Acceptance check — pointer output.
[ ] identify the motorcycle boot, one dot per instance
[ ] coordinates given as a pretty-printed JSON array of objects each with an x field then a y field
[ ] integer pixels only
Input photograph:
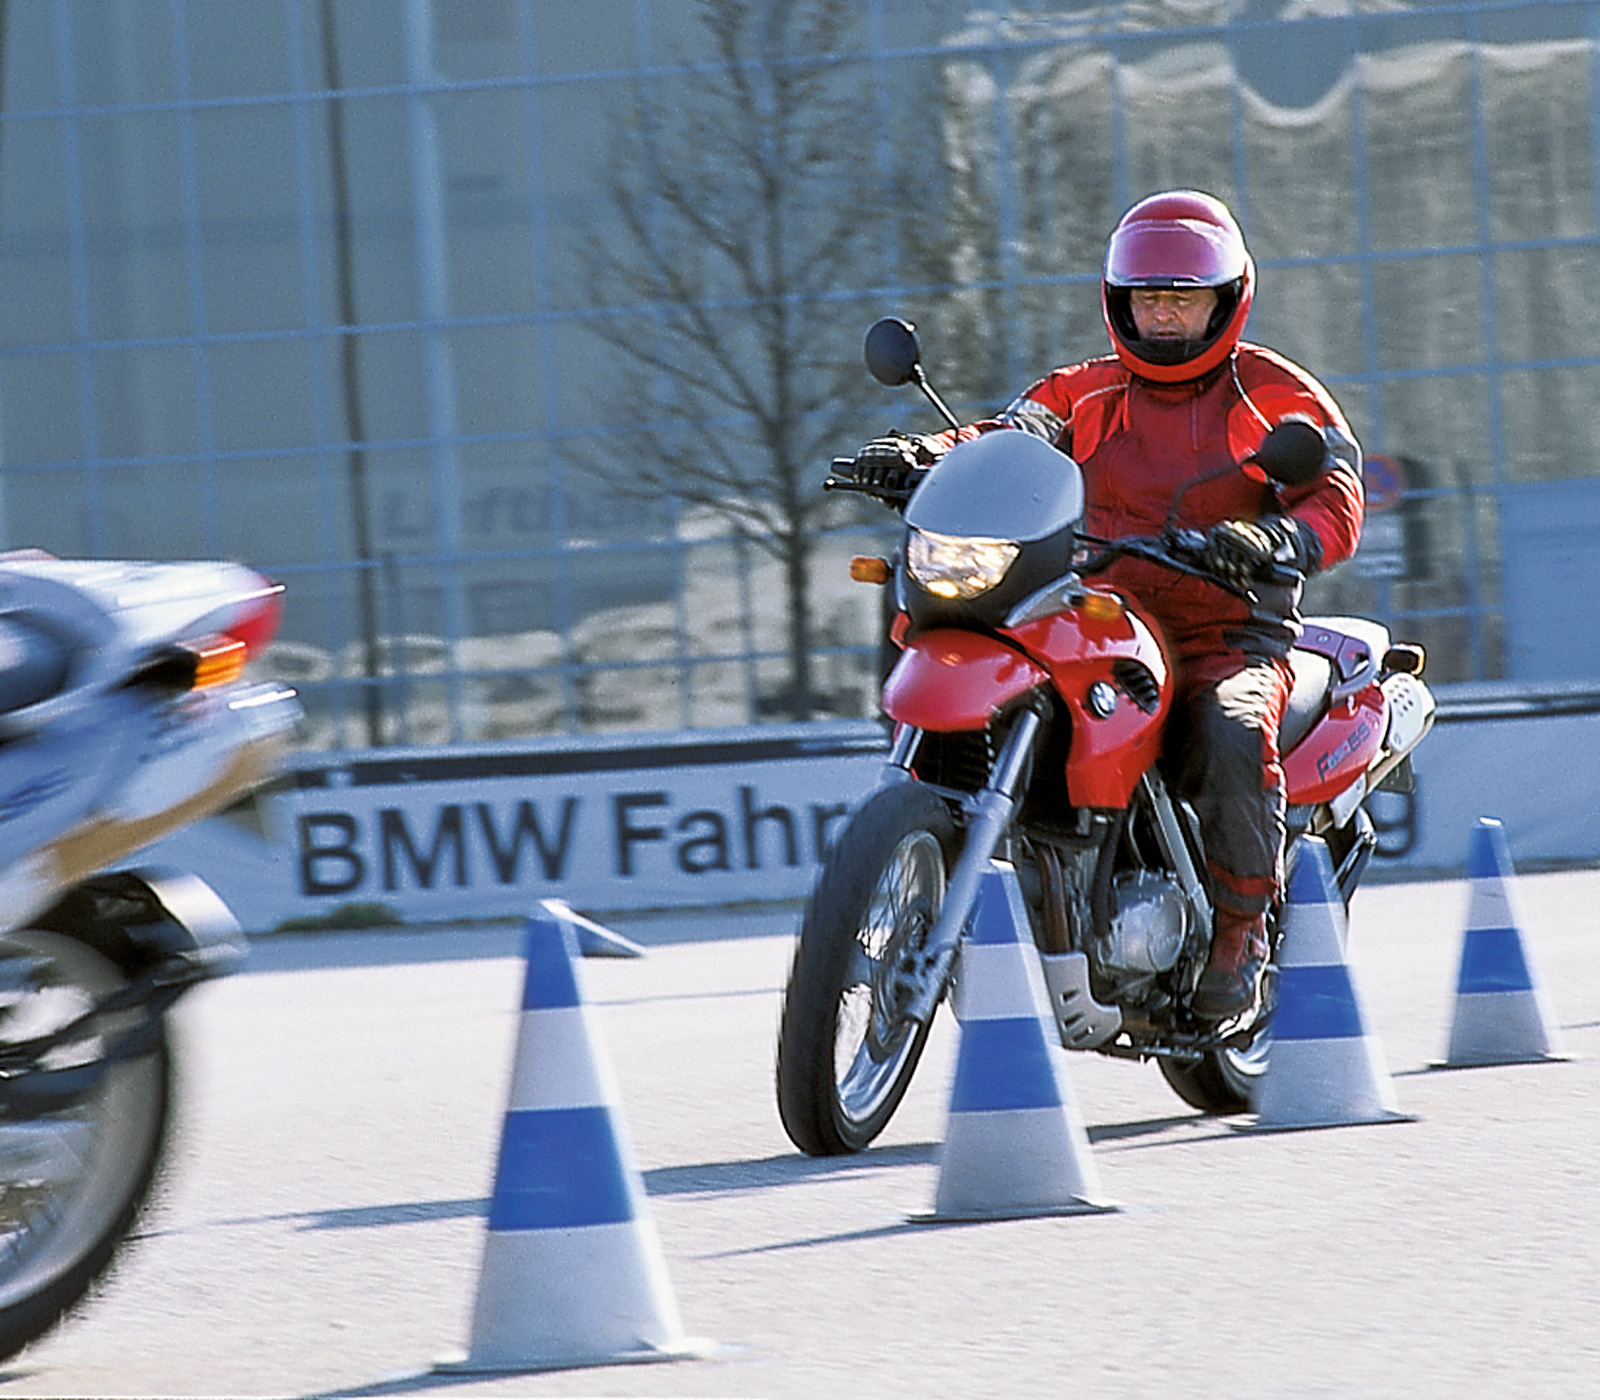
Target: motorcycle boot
[{"x": 1231, "y": 981}]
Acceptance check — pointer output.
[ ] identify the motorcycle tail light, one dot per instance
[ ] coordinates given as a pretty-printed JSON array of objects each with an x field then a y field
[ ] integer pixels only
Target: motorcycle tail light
[
  {"x": 259, "y": 617},
  {"x": 956, "y": 566}
]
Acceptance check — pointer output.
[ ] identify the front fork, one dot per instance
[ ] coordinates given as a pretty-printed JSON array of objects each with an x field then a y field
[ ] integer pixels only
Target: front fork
[
  {"x": 1175, "y": 847},
  {"x": 990, "y": 813}
]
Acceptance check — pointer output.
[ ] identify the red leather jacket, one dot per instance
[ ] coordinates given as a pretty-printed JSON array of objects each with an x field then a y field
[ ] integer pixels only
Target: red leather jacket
[{"x": 1153, "y": 453}]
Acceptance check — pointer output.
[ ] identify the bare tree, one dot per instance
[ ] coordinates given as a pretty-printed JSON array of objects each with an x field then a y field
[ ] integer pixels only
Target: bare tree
[{"x": 747, "y": 203}]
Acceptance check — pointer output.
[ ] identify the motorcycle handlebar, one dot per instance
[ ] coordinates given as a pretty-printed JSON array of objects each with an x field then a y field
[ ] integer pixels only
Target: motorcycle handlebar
[{"x": 1180, "y": 551}]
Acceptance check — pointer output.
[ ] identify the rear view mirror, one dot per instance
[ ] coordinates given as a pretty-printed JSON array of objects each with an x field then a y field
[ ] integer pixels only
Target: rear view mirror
[
  {"x": 1292, "y": 453},
  {"x": 892, "y": 352}
]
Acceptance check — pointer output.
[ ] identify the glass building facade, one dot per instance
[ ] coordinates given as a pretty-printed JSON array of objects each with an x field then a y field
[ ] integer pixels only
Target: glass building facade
[{"x": 300, "y": 282}]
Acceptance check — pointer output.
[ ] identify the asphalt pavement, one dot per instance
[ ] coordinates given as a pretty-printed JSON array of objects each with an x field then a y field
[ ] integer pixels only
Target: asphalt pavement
[{"x": 322, "y": 1224}]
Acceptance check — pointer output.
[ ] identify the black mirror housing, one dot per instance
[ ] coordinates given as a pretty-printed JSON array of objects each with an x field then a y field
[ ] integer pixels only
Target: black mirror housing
[
  {"x": 892, "y": 352},
  {"x": 1292, "y": 453}
]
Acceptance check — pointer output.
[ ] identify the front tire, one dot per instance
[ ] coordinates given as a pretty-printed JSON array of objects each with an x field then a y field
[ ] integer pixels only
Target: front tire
[
  {"x": 73, "y": 1177},
  {"x": 846, "y": 1049}
]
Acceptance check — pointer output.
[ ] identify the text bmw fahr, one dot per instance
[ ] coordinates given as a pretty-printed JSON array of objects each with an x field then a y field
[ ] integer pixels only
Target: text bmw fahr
[{"x": 1031, "y": 708}]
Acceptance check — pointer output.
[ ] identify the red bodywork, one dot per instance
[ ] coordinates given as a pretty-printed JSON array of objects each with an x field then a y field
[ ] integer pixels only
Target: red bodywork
[
  {"x": 950, "y": 680},
  {"x": 1339, "y": 748}
]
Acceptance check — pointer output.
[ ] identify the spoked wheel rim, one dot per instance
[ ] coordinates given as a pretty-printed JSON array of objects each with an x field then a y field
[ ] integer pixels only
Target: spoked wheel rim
[
  {"x": 69, "y": 1176},
  {"x": 873, "y": 1037},
  {"x": 1243, "y": 1068}
]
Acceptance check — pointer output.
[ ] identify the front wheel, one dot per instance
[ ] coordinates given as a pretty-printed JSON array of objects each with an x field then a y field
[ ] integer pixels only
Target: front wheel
[
  {"x": 846, "y": 1048},
  {"x": 73, "y": 1173}
]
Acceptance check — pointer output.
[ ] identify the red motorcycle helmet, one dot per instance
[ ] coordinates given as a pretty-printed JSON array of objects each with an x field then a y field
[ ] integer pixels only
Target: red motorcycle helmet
[{"x": 1180, "y": 238}]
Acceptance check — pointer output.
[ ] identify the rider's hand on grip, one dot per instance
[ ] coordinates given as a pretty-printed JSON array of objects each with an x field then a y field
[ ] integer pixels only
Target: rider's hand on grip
[
  {"x": 892, "y": 464},
  {"x": 1242, "y": 551}
]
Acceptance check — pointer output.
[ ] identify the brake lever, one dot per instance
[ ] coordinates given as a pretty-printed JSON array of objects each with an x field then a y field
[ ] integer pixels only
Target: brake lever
[{"x": 834, "y": 481}]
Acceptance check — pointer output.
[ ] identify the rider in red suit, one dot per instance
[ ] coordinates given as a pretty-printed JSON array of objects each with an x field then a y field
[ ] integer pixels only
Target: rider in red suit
[{"x": 1161, "y": 429}]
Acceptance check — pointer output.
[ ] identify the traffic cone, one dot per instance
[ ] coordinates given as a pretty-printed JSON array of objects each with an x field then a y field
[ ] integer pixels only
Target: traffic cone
[
  {"x": 573, "y": 1273},
  {"x": 594, "y": 940},
  {"x": 1014, "y": 1143},
  {"x": 1501, "y": 1014},
  {"x": 1324, "y": 1070}
]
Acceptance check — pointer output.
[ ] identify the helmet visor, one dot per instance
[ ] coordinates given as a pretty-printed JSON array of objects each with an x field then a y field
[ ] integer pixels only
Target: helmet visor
[{"x": 1174, "y": 253}]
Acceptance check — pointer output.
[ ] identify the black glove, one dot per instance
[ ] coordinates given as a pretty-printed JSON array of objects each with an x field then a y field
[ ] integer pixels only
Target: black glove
[
  {"x": 894, "y": 463},
  {"x": 1241, "y": 551}
]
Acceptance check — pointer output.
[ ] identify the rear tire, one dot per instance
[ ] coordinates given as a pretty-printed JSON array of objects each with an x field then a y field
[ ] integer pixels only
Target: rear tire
[
  {"x": 72, "y": 1178},
  {"x": 846, "y": 1050},
  {"x": 1222, "y": 1081}
]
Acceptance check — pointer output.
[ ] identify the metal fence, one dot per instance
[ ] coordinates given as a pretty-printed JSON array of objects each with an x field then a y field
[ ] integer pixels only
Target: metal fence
[{"x": 295, "y": 282}]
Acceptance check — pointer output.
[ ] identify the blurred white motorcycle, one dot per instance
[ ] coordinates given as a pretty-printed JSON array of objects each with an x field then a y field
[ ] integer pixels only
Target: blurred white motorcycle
[{"x": 124, "y": 715}]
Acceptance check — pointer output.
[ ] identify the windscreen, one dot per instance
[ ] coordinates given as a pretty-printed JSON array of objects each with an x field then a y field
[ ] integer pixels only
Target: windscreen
[{"x": 1005, "y": 485}]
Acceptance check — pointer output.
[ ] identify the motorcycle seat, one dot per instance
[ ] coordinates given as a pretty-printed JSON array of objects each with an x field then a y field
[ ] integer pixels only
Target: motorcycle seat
[
  {"x": 1308, "y": 697},
  {"x": 34, "y": 664},
  {"x": 1336, "y": 656}
]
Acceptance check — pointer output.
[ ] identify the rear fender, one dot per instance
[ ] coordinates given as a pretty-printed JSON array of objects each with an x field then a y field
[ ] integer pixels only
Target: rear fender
[
  {"x": 164, "y": 932},
  {"x": 948, "y": 679},
  {"x": 142, "y": 919}
]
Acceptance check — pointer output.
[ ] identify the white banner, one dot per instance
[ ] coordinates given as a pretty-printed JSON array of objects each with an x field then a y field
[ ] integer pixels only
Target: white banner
[
  {"x": 723, "y": 818},
  {"x": 703, "y": 818},
  {"x": 1531, "y": 763}
]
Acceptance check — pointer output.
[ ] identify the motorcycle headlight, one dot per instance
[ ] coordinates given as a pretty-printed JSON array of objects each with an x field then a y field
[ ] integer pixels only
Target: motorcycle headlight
[{"x": 956, "y": 566}]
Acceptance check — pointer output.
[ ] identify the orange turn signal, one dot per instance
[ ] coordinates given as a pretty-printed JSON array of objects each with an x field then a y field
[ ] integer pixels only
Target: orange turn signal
[
  {"x": 218, "y": 661},
  {"x": 1101, "y": 607},
  {"x": 868, "y": 568}
]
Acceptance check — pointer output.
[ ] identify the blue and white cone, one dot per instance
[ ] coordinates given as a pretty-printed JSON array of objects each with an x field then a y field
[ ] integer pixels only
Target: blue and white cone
[
  {"x": 1324, "y": 1069},
  {"x": 1014, "y": 1142},
  {"x": 1501, "y": 1014},
  {"x": 594, "y": 940},
  {"x": 573, "y": 1273}
]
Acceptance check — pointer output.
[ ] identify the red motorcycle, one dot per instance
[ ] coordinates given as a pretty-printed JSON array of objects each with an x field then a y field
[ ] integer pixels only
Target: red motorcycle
[{"x": 1029, "y": 709}]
